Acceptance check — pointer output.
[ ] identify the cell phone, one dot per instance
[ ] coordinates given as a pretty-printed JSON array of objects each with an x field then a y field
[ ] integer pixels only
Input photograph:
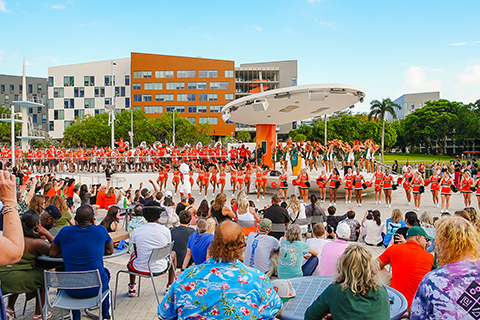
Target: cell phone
[{"x": 130, "y": 185}]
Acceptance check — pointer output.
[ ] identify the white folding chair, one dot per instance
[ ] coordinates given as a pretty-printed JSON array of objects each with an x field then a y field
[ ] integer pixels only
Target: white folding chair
[
  {"x": 75, "y": 280},
  {"x": 157, "y": 254}
]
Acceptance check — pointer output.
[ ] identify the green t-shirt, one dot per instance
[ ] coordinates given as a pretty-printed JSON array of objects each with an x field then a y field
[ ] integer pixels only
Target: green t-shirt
[
  {"x": 64, "y": 220},
  {"x": 291, "y": 259},
  {"x": 343, "y": 304}
]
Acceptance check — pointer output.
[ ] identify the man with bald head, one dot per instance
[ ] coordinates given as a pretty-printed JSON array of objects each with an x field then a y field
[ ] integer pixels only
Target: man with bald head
[
  {"x": 222, "y": 287},
  {"x": 82, "y": 248}
]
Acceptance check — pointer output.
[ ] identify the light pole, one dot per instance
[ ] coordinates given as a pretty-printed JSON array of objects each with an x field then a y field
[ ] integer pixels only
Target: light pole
[
  {"x": 326, "y": 130},
  {"x": 113, "y": 109},
  {"x": 13, "y": 133},
  {"x": 131, "y": 126},
  {"x": 173, "y": 119}
]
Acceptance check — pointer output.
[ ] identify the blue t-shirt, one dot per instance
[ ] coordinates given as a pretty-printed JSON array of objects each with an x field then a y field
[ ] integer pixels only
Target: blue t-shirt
[
  {"x": 198, "y": 244},
  {"x": 291, "y": 259},
  {"x": 392, "y": 227},
  {"x": 83, "y": 249}
]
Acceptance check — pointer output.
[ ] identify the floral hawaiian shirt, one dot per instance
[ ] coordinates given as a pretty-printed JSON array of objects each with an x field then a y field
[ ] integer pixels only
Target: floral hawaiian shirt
[
  {"x": 220, "y": 290},
  {"x": 132, "y": 225}
]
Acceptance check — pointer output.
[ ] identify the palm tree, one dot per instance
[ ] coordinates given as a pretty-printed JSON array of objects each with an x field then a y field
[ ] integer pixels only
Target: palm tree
[{"x": 379, "y": 110}]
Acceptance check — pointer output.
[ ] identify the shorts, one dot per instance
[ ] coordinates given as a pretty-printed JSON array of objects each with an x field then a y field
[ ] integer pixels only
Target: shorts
[{"x": 131, "y": 268}]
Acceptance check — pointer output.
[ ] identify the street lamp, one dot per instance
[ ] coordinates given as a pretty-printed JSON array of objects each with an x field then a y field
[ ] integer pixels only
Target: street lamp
[
  {"x": 131, "y": 126},
  {"x": 173, "y": 119},
  {"x": 326, "y": 130},
  {"x": 112, "y": 110}
]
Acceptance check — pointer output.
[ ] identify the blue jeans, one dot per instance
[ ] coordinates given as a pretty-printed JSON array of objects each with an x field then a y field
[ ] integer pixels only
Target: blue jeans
[{"x": 309, "y": 267}]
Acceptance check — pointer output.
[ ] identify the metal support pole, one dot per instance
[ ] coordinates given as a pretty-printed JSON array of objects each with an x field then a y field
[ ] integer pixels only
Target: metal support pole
[
  {"x": 113, "y": 111},
  {"x": 13, "y": 134},
  {"x": 131, "y": 126},
  {"x": 326, "y": 130},
  {"x": 173, "y": 119}
]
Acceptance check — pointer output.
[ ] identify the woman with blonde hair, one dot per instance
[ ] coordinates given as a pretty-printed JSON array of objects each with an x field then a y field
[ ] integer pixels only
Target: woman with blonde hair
[
  {"x": 354, "y": 294},
  {"x": 450, "y": 291},
  {"x": 244, "y": 211},
  {"x": 219, "y": 211},
  {"x": 392, "y": 224},
  {"x": 37, "y": 203},
  {"x": 474, "y": 217},
  {"x": 66, "y": 218}
]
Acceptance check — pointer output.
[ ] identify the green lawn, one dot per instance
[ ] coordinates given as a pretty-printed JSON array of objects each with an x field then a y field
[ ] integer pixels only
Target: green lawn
[{"x": 413, "y": 158}]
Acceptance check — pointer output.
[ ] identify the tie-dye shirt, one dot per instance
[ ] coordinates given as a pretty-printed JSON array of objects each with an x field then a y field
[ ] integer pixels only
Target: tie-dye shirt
[
  {"x": 450, "y": 292},
  {"x": 220, "y": 290}
]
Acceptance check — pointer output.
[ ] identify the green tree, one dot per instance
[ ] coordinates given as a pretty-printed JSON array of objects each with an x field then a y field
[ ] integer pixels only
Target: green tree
[
  {"x": 244, "y": 136},
  {"x": 378, "y": 110},
  {"x": 5, "y": 127},
  {"x": 299, "y": 137}
]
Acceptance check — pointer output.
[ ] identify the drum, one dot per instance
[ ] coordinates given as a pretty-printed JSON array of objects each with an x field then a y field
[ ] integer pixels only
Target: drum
[
  {"x": 114, "y": 161},
  {"x": 104, "y": 161},
  {"x": 93, "y": 160},
  {"x": 148, "y": 159},
  {"x": 137, "y": 160}
]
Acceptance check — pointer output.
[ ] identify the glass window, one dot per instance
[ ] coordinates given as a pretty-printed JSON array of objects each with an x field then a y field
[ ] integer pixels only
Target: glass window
[
  {"x": 50, "y": 81},
  {"x": 201, "y": 85},
  {"x": 181, "y": 97},
  {"x": 39, "y": 109},
  {"x": 170, "y": 108},
  {"x": 79, "y": 113},
  {"x": 127, "y": 79},
  {"x": 180, "y": 109},
  {"x": 58, "y": 114},
  {"x": 89, "y": 103},
  {"x": 207, "y": 73},
  {"x": 218, "y": 85},
  {"x": 2, "y": 88},
  {"x": 30, "y": 110},
  {"x": 185, "y": 74},
  {"x": 30, "y": 88},
  {"x": 68, "y": 81},
  {"x": 108, "y": 101},
  {"x": 164, "y": 74},
  {"x": 142, "y": 74},
  {"x": 159, "y": 97},
  {"x": 69, "y": 103},
  {"x": 228, "y": 73},
  {"x": 212, "y": 97},
  {"x": 51, "y": 126},
  {"x": 192, "y": 120},
  {"x": 67, "y": 124},
  {"x": 12, "y": 88},
  {"x": 294, "y": 81},
  {"x": 108, "y": 80},
  {"x": 228, "y": 96},
  {"x": 175, "y": 85},
  {"x": 127, "y": 102},
  {"x": 44, "y": 118},
  {"x": 99, "y": 92},
  {"x": 50, "y": 104},
  {"x": 202, "y": 109},
  {"x": 169, "y": 97},
  {"x": 79, "y": 92},
  {"x": 136, "y": 86},
  {"x": 153, "y": 86},
  {"x": 39, "y": 88},
  {"x": 202, "y": 97},
  {"x": 7, "y": 98},
  {"x": 192, "y": 85},
  {"x": 413, "y": 105},
  {"x": 191, "y": 97},
  {"x": 122, "y": 91},
  {"x": 215, "y": 108},
  {"x": 147, "y": 97},
  {"x": 137, "y": 108},
  {"x": 89, "y": 81},
  {"x": 34, "y": 118},
  {"x": 192, "y": 109},
  {"x": 20, "y": 89}
]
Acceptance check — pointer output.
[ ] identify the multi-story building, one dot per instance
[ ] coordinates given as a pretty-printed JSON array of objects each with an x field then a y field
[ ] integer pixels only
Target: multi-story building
[
  {"x": 257, "y": 77},
  {"x": 85, "y": 88},
  {"x": 196, "y": 88},
  {"x": 11, "y": 90},
  {"x": 412, "y": 101}
]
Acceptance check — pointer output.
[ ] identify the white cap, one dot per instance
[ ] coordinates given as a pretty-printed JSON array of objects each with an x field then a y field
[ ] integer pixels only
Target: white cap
[
  {"x": 283, "y": 288},
  {"x": 343, "y": 231},
  {"x": 168, "y": 194}
]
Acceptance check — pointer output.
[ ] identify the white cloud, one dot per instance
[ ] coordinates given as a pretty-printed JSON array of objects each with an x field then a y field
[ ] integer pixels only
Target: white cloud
[
  {"x": 207, "y": 36},
  {"x": 94, "y": 23},
  {"x": 416, "y": 80},
  {"x": 458, "y": 44},
  {"x": 312, "y": 1},
  {"x": 327, "y": 24},
  {"x": 3, "y": 6},
  {"x": 471, "y": 77},
  {"x": 257, "y": 27},
  {"x": 288, "y": 30},
  {"x": 27, "y": 63},
  {"x": 57, "y": 7}
]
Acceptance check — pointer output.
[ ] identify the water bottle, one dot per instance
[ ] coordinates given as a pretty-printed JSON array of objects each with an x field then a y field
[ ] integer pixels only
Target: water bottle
[{"x": 125, "y": 203}]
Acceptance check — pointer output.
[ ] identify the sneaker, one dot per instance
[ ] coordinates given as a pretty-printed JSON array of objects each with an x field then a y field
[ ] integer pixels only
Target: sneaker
[
  {"x": 359, "y": 204},
  {"x": 409, "y": 203},
  {"x": 379, "y": 202},
  {"x": 258, "y": 200},
  {"x": 39, "y": 316},
  {"x": 132, "y": 290},
  {"x": 263, "y": 197},
  {"x": 346, "y": 202},
  {"x": 386, "y": 206},
  {"x": 330, "y": 204},
  {"x": 334, "y": 204}
]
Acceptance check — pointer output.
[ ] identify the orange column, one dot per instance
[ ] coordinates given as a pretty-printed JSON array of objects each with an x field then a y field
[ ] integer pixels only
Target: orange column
[{"x": 267, "y": 136}]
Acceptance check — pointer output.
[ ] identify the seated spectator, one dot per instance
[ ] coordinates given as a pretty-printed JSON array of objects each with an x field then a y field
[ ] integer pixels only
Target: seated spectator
[
  {"x": 318, "y": 243},
  {"x": 313, "y": 209},
  {"x": 193, "y": 211},
  {"x": 101, "y": 198},
  {"x": 411, "y": 220},
  {"x": 198, "y": 243},
  {"x": 168, "y": 216},
  {"x": 146, "y": 196},
  {"x": 182, "y": 205},
  {"x": 332, "y": 219},
  {"x": 49, "y": 217},
  {"x": 111, "y": 222},
  {"x": 23, "y": 276},
  {"x": 262, "y": 249},
  {"x": 410, "y": 262},
  {"x": 333, "y": 250},
  {"x": 292, "y": 251},
  {"x": 89, "y": 256},
  {"x": 180, "y": 237},
  {"x": 277, "y": 214},
  {"x": 392, "y": 224},
  {"x": 212, "y": 224},
  {"x": 426, "y": 220},
  {"x": 110, "y": 198},
  {"x": 245, "y": 212},
  {"x": 66, "y": 218},
  {"x": 354, "y": 294},
  {"x": 85, "y": 196},
  {"x": 374, "y": 228},
  {"x": 221, "y": 285},
  {"x": 296, "y": 210},
  {"x": 145, "y": 239},
  {"x": 203, "y": 209},
  {"x": 450, "y": 291},
  {"x": 136, "y": 221},
  {"x": 353, "y": 224},
  {"x": 219, "y": 211},
  {"x": 37, "y": 203}
]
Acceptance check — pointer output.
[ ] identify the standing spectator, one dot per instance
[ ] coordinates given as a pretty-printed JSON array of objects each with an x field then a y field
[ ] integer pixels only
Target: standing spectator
[
  {"x": 333, "y": 250},
  {"x": 373, "y": 223},
  {"x": 89, "y": 256},
  {"x": 261, "y": 249},
  {"x": 219, "y": 283},
  {"x": 85, "y": 196},
  {"x": 277, "y": 214},
  {"x": 146, "y": 238},
  {"x": 110, "y": 198},
  {"x": 317, "y": 243},
  {"x": 198, "y": 244},
  {"x": 332, "y": 219},
  {"x": 100, "y": 204},
  {"x": 450, "y": 291},
  {"x": 410, "y": 262},
  {"x": 354, "y": 294},
  {"x": 392, "y": 224},
  {"x": 180, "y": 236},
  {"x": 292, "y": 251},
  {"x": 395, "y": 167},
  {"x": 353, "y": 224}
]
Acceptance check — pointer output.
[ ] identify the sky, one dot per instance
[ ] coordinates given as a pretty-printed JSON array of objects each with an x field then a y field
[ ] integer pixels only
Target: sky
[{"x": 386, "y": 47}]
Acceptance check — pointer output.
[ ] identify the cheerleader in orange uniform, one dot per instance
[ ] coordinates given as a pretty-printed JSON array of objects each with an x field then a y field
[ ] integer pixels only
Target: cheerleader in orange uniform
[
  {"x": 258, "y": 182},
  {"x": 446, "y": 191},
  {"x": 348, "y": 186},
  {"x": 358, "y": 182},
  {"x": 304, "y": 180},
  {"x": 466, "y": 183},
  {"x": 233, "y": 178},
  {"x": 200, "y": 179},
  {"x": 435, "y": 187},
  {"x": 417, "y": 182},
  {"x": 176, "y": 177},
  {"x": 161, "y": 177},
  {"x": 377, "y": 178},
  {"x": 213, "y": 178},
  {"x": 283, "y": 183},
  {"x": 264, "y": 181},
  {"x": 333, "y": 185},
  {"x": 240, "y": 180},
  {"x": 407, "y": 178},
  {"x": 322, "y": 185},
  {"x": 421, "y": 169},
  {"x": 205, "y": 180},
  {"x": 222, "y": 181},
  {"x": 248, "y": 177},
  {"x": 387, "y": 188}
]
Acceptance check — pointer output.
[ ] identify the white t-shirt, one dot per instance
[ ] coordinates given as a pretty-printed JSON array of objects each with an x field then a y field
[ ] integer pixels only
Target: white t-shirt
[
  {"x": 146, "y": 238},
  {"x": 374, "y": 232},
  {"x": 317, "y": 244},
  {"x": 247, "y": 216},
  {"x": 258, "y": 250}
]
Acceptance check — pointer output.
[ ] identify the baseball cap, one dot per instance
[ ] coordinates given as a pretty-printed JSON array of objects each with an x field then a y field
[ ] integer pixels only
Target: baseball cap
[
  {"x": 266, "y": 224},
  {"x": 144, "y": 192},
  {"x": 284, "y": 289},
  {"x": 343, "y": 231},
  {"x": 418, "y": 231},
  {"x": 168, "y": 194},
  {"x": 53, "y": 212}
]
